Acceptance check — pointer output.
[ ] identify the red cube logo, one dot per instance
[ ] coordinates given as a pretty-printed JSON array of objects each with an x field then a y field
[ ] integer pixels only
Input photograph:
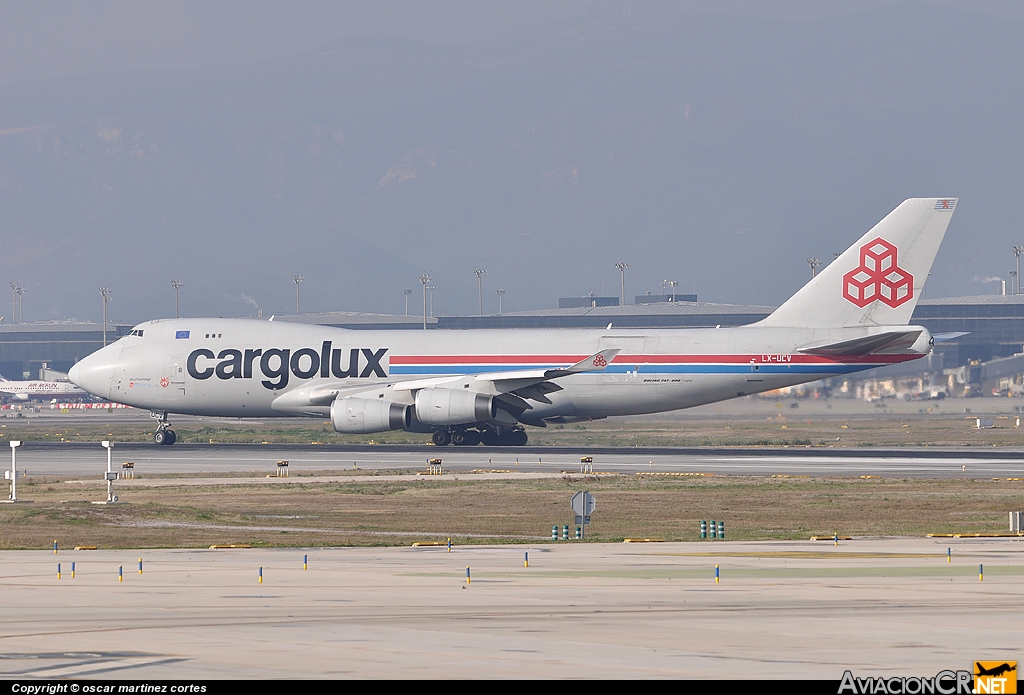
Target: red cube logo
[{"x": 878, "y": 277}]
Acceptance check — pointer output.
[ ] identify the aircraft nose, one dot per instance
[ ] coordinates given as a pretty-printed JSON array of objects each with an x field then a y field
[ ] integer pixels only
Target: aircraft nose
[{"x": 96, "y": 372}]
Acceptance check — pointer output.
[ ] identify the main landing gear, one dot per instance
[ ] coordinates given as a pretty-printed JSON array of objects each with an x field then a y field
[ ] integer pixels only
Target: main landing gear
[
  {"x": 164, "y": 435},
  {"x": 488, "y": 436}
]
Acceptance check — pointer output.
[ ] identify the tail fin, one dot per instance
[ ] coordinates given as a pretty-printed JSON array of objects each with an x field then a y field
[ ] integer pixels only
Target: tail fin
[{"x": 878, "y": 280}]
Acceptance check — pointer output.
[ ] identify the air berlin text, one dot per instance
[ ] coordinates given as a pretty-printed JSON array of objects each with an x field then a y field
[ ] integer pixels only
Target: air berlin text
[{"x": 276, "y": 364}]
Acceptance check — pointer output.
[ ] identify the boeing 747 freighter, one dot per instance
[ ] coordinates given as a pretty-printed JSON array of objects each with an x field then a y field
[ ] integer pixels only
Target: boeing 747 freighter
[{"x": 483, "y": 386}]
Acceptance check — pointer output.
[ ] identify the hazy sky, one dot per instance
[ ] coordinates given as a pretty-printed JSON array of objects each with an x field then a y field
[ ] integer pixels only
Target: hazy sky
[
  {"x": 58, "y": 37},
  {"x": 718, "y": 144}
]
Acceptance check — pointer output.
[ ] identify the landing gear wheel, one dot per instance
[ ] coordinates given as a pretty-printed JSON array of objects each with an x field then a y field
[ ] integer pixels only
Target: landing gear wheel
[
  {"x": 489, "y": 437},
  {"x": 459, "y": 438},
  {"x": 441, "y": 438},
  {"x": 160, "y": 437},
  {"x": 519, "y": 438},
  {"x": 171, "y": 437},
  {"x": 472, "y": 437}
]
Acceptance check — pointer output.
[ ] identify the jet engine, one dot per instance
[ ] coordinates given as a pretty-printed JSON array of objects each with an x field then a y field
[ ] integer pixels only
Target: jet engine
[
  {"x": 453, "y": 407},
  {"x": 366, "y": 415}
]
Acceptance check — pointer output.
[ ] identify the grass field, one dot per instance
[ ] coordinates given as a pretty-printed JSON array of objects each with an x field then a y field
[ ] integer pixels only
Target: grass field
[
  {"x": 390, "y": 510},
  {"x": 780, "y": 427}
]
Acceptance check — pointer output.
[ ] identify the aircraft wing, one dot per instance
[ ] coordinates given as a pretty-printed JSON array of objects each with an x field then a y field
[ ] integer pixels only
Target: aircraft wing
[
  {"x": 533, "y": 381},
  {"x": 513, "y": 387},
  {"x": 867, "y": 345}
]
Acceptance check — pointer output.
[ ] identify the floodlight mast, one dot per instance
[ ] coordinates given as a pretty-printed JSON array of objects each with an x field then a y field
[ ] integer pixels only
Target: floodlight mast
[
  {"x": 176, "y": 284},
  {"x": 1017, "y": 251},
  {"x": 424, "y": 279},
  {"x": 407, "y": 292},
  {"x": 106, "y": 295},
  {"x": 501, "y": 293},
  {"x": 21, "y": 303},
  {"x": 622, "y": 265},
  {"x": 297, "y": 279},
  {"x": 815, "y": 263},
  {"x": 480, "y": 289}
]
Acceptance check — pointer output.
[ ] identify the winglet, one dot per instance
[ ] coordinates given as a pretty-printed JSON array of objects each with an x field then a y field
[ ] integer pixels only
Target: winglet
[{"x": 597, "y": 362}]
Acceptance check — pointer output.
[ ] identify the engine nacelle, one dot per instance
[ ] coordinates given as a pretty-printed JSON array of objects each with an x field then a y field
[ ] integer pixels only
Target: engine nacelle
[
  {"x": 366, "y": 415},
  {"x": 453, "y": 407}
]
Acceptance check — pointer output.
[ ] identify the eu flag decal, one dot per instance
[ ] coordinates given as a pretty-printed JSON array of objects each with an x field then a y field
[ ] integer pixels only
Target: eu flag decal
[{"x": 181, "y": 335}]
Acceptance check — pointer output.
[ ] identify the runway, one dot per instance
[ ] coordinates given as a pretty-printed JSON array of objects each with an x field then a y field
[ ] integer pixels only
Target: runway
[
  {"x": 782, "y": 610},
  {"x": 86, "y": 460}
]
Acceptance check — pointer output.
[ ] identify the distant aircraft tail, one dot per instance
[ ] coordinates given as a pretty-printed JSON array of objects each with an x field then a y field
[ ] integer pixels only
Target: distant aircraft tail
[{"x": 878, "y": 280}]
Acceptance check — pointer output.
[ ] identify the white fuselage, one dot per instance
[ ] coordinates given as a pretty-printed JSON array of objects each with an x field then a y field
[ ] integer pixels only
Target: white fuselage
[{"x": 243, "y": 367}]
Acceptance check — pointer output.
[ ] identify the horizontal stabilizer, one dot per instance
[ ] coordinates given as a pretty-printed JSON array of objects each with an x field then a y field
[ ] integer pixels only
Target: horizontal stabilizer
[
  {"x": 946, "y": 337},
  {"x": 867, "y": 345}
]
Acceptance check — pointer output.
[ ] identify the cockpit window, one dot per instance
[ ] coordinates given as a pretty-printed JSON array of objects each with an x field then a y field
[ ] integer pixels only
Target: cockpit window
[{"x": 136, "y": 332}]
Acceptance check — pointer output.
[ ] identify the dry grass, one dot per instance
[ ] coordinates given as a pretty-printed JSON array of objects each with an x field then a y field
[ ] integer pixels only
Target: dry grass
[
  {"x": 379, "y": 512},
  {"x": 786, "y": 427}
]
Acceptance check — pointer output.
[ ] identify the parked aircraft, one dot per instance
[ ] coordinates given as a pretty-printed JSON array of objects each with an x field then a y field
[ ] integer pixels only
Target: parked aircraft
[
  {"x": 473, "y": 386},
  {"x": 36, "y": 390}
]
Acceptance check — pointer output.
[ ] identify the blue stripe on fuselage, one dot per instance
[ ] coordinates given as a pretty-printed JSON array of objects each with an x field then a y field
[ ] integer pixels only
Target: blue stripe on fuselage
[{"x": 836, "y": 368}]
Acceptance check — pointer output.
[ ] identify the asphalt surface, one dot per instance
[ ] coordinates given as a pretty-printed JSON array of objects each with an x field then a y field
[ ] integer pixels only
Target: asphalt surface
[
  {"x": 799, "y": 609},
  {"x": 88, "y": 459}
]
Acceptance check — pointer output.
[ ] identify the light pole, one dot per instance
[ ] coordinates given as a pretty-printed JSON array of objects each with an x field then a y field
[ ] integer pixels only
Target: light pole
[
  {"x": 480, "y": 289},
  {"x": 1014, "y": 282},
  {"x": 622, "y": 265},
  {"x": 430, "y": 290},
  {"x": 815, "y": 263},
  {"x": 673, "y": 284},
  {"x": 176, "y": 284},
  {"x": 14, "y": 471},
  {"x": 105, "y": 293},
  {"x": 424, "y": 279},
  {"x": 1017, "y": 251},
  {"x": 500, "y": 293},
  {"x": 21, "y": 303},
  {"x": 406, "y": 292},
  {"x": 14, "y": 302},
  {"x": 297, "y": 279}
]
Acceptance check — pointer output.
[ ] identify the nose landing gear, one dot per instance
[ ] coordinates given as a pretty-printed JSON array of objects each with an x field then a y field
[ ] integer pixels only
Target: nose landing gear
[{"x": 164, "y": 435}]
